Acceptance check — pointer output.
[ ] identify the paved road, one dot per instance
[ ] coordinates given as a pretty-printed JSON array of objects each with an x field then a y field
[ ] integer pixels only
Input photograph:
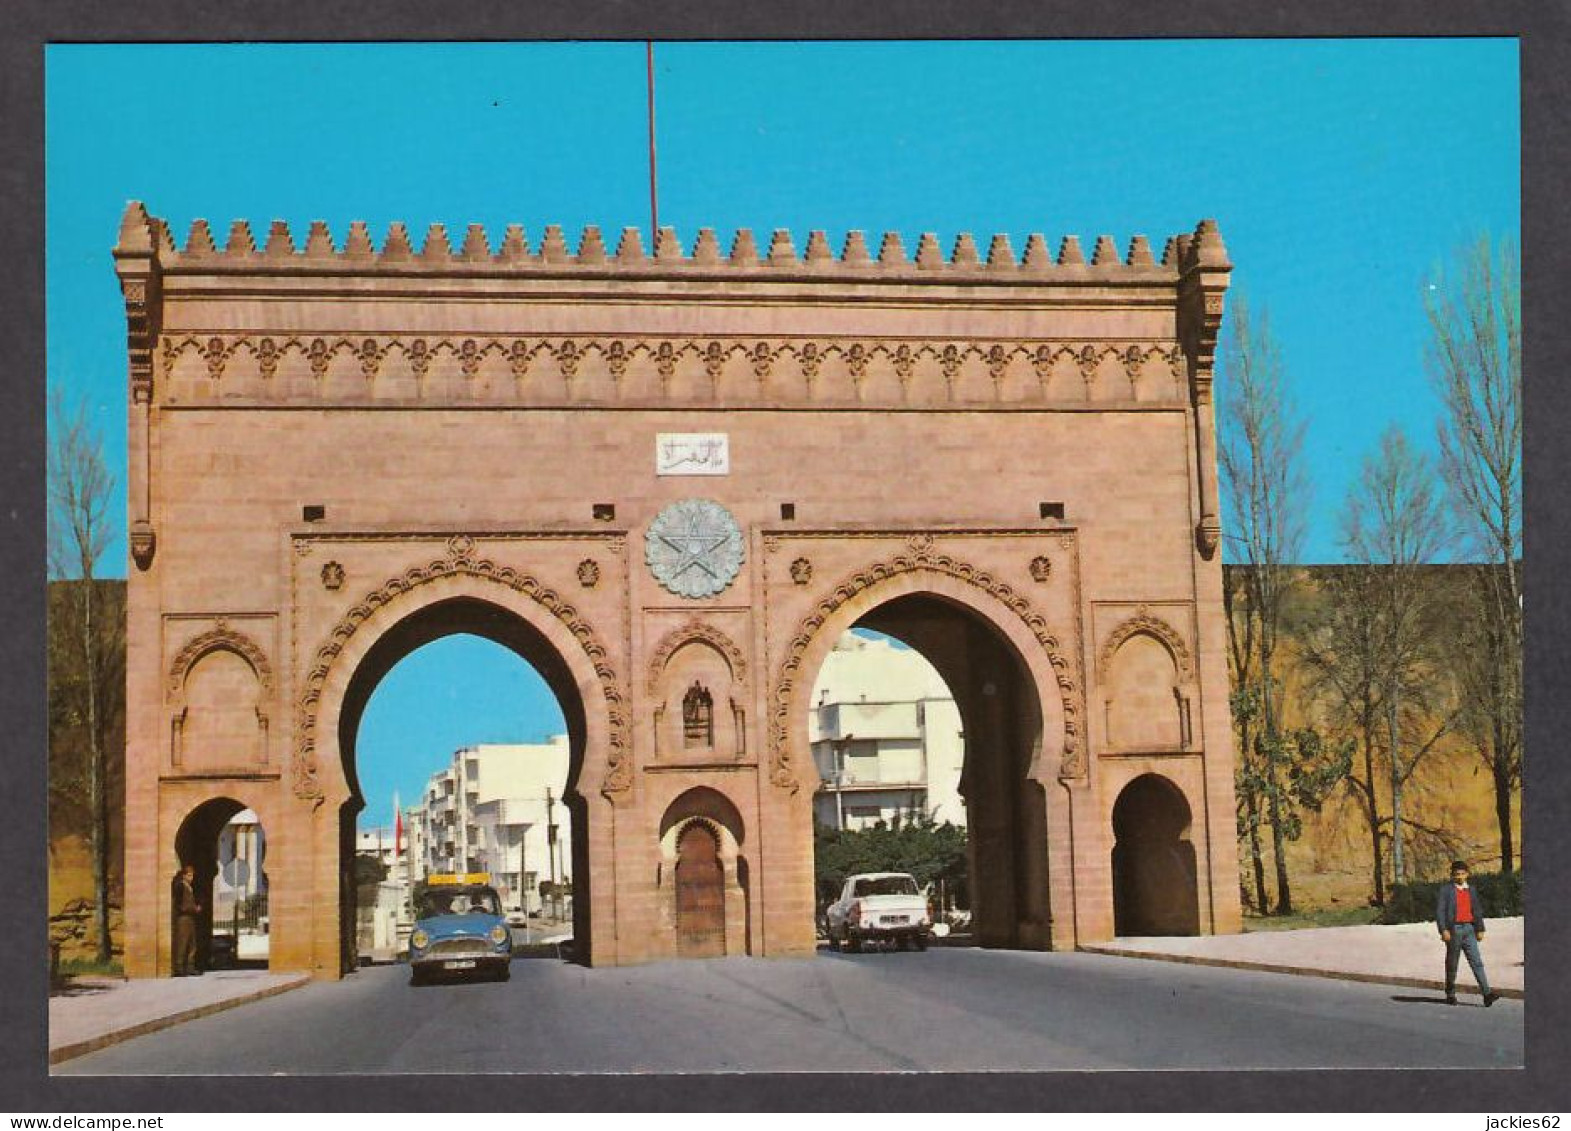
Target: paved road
[{"x": 947, "y": 1009}]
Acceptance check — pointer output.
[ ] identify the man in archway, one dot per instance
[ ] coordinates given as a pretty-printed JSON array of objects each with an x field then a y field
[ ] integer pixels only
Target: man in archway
[{"x": 186, "y": 909}]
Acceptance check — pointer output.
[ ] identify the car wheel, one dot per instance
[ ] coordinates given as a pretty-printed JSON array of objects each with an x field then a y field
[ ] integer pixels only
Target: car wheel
[
  {"x": 417, "y": 976},
  {"x": 920, "y": 941},
  {"x": 504, "y": 972},
  {"x": 853, "y": 942},
  {"x": 834, "y": 943}
]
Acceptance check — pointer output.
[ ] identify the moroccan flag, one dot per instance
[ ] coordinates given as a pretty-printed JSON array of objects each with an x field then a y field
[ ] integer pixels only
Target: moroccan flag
[{"x": 398, "y": 828}]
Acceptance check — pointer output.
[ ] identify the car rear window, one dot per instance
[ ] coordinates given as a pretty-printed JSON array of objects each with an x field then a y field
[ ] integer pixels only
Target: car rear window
[{"x": 887, "y": 885}]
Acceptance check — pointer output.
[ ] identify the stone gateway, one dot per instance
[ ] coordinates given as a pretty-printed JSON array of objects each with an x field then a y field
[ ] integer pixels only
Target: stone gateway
[{"x": 669, "y": 481}]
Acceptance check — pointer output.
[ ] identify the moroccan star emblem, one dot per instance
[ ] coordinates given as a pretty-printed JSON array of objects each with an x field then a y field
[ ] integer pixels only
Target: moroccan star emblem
[
  {"x": 694, "y": 548},
  {"x": 694, "y": 545}
]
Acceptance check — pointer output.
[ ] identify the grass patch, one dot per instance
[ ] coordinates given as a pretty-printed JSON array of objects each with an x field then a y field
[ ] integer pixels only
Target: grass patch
[
  {"x": 1327, "y": 917},
  {"x": 72, "y": 967}
]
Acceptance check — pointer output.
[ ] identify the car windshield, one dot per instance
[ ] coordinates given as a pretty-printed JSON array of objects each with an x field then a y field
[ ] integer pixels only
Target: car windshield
[
  {"x": 458, "y": 901},
  {"x": 887, "y": 885}
]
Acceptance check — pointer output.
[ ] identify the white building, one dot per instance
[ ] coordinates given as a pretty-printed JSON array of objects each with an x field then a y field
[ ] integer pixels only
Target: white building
[
  {"x": 885, "y": 735},
  {"x": 240, "y": 888},
  {"x": 493, "y": 810},
  {"x": 377, "y": 843}
]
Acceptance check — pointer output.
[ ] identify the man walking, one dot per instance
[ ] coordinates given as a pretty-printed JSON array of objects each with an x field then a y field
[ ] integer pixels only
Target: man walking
[
  {"x": 186, "y": 908},
  {"x": 1459, "y": 913}
]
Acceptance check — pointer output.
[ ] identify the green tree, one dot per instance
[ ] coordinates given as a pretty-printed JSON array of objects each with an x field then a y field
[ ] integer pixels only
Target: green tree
[{"x": 930, "y": 850}]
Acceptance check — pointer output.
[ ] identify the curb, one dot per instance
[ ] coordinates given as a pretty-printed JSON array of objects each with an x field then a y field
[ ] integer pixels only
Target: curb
[
  {"x": 1279, "y": 968},
  {"x": 142, "y": 1028}
]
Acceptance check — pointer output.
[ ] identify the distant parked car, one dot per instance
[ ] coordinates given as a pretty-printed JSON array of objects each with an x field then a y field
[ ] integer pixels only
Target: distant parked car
[
  {"x": 459, "y": 927},
  {"x": 879, "y": 906}
]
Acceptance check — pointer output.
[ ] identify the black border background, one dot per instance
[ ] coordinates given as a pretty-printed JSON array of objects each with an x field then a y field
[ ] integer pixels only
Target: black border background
[{"x": 1543, "y": 29}]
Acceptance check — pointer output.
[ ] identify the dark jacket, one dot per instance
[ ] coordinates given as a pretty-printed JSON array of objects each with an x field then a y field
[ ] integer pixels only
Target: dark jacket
[
  {"x": 183, "y": 896},
  {"x": 1445, "y": 907}
]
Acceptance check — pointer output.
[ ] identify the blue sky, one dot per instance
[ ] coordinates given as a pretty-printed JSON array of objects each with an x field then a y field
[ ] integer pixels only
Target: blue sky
[{"x": 1339, "y": 170}]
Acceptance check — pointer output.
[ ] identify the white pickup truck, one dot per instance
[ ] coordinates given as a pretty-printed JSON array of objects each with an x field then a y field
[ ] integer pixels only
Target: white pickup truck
[{"x": 879, "y": 906}]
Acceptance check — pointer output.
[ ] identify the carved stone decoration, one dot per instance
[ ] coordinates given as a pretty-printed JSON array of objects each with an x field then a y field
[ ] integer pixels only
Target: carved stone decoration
[
  {"x": 219, "y": 636},
  {"x": 588, "y": 573},
  {"x": 1041, "y": 568},
  {"x": 810, "y": 357},
  {"x": 698, "y": 717},
  {"x": 801, "y": 571},
  {"x": 714, "y": 360},
  {"x": 333, "y": 576},
  {"x": 1208, "y": 536},
  {"x": 616, "y": 360},
  {"x": 267, "y": 358},
  {"x": 461, "y": 547},
  {"x": 143, "y": 543},
  {"x": 568, "y": 358},
  {"x": 694, "y": 548},
  {"x": 518, "y": 357},
  {"x": 142, "y": 316},
  {"x": 922, "y": 558},
  {"x": 1088, "y": 361},
  {"x": 1145, "y": 621},
  {"x": 303, "y": 767},
  {"x": 215, "y": 357},
  {"x": 997, "y": 363},
  {"x": 695, "y": 630}
]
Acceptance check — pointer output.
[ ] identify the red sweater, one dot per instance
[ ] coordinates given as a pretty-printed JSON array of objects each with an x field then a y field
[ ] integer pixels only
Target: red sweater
[{"x": 1464, "y": 905}]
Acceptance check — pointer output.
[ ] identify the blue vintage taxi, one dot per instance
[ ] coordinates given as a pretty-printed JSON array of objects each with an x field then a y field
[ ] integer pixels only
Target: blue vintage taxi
[{"x": 459, "y": 929}]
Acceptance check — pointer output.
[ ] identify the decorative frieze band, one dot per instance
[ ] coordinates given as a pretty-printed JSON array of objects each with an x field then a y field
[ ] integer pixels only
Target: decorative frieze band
[{"x": 921, "y": 370}]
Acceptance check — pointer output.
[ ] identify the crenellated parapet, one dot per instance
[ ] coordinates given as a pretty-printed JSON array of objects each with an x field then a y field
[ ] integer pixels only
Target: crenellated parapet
[{"x": 480, "y": 252}]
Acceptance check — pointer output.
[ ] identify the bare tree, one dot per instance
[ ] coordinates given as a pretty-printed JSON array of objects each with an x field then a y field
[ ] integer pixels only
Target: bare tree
[
  {"x": 1266, "y": 492},
  {"x": 1394, "y": 521},
  {"x": 1372, "y": 638},
  {"x": 1342, "y": 650},
  {"x": 1475, "y": 362},
  {"x": 79, "y": 493}
]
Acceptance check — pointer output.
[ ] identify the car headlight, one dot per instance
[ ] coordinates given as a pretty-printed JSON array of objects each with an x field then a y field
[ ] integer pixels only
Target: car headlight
[
  {"x": 419, "y": 940},
  {"x": 499, "y": 934}
]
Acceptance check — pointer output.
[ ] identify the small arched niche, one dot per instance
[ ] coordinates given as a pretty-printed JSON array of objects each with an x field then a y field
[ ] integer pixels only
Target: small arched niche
[
  {"x": 1146, "y": 678},
  {"x": 220, "y": 719},
  {"x": 696, "y": 682}
]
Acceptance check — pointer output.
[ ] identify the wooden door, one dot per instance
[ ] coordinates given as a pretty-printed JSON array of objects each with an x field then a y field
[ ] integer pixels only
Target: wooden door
[{"x": 700, "y": 894}]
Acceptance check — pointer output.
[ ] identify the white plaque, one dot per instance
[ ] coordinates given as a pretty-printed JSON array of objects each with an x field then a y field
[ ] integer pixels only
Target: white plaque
[{"x": 692, "y": 453}]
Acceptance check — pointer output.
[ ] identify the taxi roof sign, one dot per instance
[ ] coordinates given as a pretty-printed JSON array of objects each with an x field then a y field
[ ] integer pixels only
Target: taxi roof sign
[{"x": 436, "y": 879}]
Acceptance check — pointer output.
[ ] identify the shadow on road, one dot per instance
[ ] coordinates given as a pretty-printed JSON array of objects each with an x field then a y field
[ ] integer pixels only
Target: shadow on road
[{"x": 1410, "y": 1000}]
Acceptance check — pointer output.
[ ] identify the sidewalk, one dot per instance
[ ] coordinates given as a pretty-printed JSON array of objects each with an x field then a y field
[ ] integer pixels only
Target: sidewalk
[
  {"x": 1407, "y": 954},
  {"x": 95, "y": 1012}
]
